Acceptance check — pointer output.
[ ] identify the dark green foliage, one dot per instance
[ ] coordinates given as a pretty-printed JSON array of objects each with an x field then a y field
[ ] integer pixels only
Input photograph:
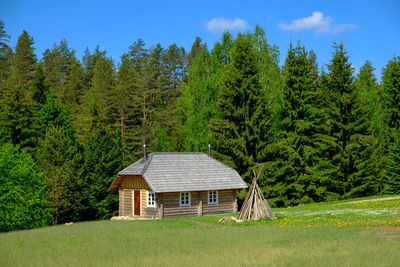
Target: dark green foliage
[
  {"x": 23, "y": 63},
  {"x": 196, "y": 50},
  {"x": 357, "y": 172},
  {"x": 22, "y": 192},
  {"x": 5, "y": 56},
  {"x": 391, "y": 87},
  {"x": 18, "y": 123},
  {"x": 53, "y": 114},
  {"x": 40, "y": 88},
  {"x": 240, "y": 128},
  {"x": 102, "y": 160},
  {"x": 96, "y": 108},
  {"x": 59, "y": 157},
  {"x": 392, "y": 185},
  {"x": 58, "y": 63},
  {"x": 321, "y": 136},
  {"x": 296, "y": 174}
]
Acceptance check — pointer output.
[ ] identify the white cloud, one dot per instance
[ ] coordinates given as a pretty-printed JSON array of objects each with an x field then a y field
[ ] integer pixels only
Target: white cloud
[
  {"x": 317, "y": 22},
  {"x": 222, "y": 24},
  {"x": 343, "y": 27}
]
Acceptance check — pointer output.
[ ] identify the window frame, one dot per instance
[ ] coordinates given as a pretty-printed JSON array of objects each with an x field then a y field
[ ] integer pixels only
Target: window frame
[
  {"x": 148, "y": 199},
  {"x": 187, "y": 198},
  {"x": 216, "y": 202}
]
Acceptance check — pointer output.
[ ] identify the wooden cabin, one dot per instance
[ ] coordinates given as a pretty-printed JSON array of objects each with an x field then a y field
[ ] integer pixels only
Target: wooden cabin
[{"x": 173, "y": 184}]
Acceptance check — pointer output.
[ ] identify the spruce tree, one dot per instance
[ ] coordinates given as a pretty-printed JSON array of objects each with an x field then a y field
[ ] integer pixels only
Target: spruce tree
[
  {"x": 102, "y": 160},
  {"x": 40, "y": 88},
  {"x": 392, "y": 172},
  {"x": 296, "y": 154},
  {"x": 391, "y": 88},
  {"x": 196, "y": 50},
  {"x": 391, "y": 111},
  {"x": 240, "y": 128},
  {"x": 351, "y": 129}
]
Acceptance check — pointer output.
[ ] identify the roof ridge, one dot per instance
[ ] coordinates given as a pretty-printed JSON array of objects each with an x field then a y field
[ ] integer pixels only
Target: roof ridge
[
  {"x": 150, "y": 157},
  {"x": 136, "y": 162}
]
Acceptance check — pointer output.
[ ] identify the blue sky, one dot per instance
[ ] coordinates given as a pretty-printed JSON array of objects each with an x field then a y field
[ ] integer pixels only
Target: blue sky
[{"x": 370, "y": 30}]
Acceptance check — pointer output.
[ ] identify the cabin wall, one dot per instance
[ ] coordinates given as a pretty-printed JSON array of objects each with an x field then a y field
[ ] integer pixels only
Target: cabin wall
[
  {"x": 126, "y": 196},
  {"x": 173, "y": 209},
  {"x": 226, "y": 203},
  {"x": 125, "y": 202},
  {"x": 169, "y": 204}
]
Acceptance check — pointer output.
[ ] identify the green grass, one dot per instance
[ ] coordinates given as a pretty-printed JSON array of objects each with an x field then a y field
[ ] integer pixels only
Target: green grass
[{"x": 326, "y": 234}]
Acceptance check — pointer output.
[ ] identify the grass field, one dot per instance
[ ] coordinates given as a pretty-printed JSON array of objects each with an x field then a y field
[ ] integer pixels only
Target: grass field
[{"x": 326, "y": 234}]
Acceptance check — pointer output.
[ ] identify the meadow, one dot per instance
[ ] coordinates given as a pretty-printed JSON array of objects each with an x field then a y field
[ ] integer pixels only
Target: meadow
[{"x": 324, "y": 234}]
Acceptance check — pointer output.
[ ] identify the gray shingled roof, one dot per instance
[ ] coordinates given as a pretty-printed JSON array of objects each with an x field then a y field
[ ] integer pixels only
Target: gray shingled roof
[{"x": 183, "y": 171}]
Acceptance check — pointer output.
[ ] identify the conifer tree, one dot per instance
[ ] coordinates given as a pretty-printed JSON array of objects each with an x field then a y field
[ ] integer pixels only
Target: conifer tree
[
  {"x": 59, "y": 157},
  {"x": 391, "y": 111},
  {"x": 391, "y": 88},
  {"x": 296, "y": 153},
  {"x": 392, "y": 172},
  {"x": 5, "y": 56},
  {"x": 23, "y": 63},
  {"x": 351, "y": 129},
  {"x": 40, "y": 88},
  {"x": 240, "y": 128},
  {"x": 102, "y": 160},
  {"x": 196, "y": 50},
  {"x": 97, "y": 99}
]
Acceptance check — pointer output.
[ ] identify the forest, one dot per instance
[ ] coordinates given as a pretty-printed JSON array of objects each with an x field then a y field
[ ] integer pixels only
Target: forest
[{"x": 68, "y": 125}]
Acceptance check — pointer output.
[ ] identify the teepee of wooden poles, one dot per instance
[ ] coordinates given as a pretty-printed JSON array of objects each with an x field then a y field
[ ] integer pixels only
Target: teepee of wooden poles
[{"x": 255, "y": 206}]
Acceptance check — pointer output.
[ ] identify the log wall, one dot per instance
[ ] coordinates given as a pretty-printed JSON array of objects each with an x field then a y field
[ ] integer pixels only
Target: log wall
[
  {"x": 134, "y": 182},
  {"x": 128, "y": 184},
  {"x": 169, "y": 202},
  {"x": 125, "y": 202}
]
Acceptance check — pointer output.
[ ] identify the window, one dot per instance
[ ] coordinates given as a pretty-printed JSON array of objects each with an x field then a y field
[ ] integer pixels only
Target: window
[
  {"x": 184, "y": 199},
  {"x": 212, "y": 197},
  {"x": 151, "y": 199}
]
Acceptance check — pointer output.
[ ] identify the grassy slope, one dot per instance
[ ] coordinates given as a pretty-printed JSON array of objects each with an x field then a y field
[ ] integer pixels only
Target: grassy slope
[{"x": 317, "y": 234}]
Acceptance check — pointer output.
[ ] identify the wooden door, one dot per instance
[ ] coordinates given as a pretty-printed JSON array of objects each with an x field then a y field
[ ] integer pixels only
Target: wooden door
[{"x": 137, "y": 202}]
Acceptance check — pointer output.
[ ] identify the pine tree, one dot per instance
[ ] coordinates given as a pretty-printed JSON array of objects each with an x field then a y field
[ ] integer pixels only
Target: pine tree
[
  {"x": 5, "y": 56},
  {"x": 96, "y": 104},
  {"x": 58, "y": 63},
  {"x": 23, "y": 63}
]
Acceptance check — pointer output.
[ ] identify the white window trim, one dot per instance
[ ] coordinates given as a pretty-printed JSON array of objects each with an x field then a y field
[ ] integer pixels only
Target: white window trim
[
  {"x": 180, "y": 199},
  {"x": 211, "y": 202},
  {"x": 148, "y": 200}
]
